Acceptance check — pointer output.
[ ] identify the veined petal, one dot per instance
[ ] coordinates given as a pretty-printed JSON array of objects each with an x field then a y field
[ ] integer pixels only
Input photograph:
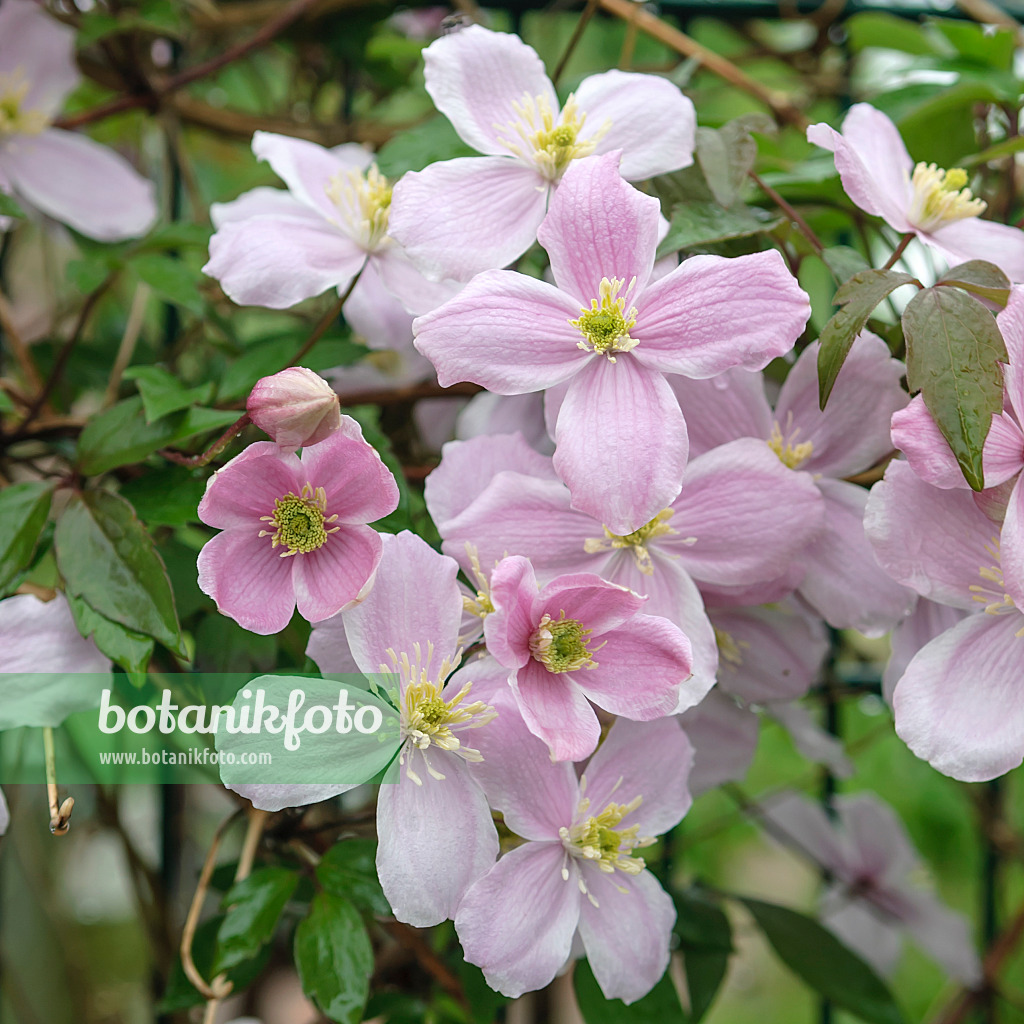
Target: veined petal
[
  {"x": 1004, "y": 451},
  {"x": 475, "y": 75},
  {"x": 505, "y": 331},
  {"x": 276, "y": 796},
  {"x": 460, "y": 217},
  {"x": 601, "y": 606},
  {"x": 647, "y": 117},
  {"x": 261, "y": 202},
  {"x": 43, "y": 49},
  {"x": 922, "y": 625},
  {"x": 620, "y": 443},
  {"x": 915, "y": 433},
  {"x": 712, "y": 313},
  {"x": 334, "y": 576},
  {"x": 1012, "y": 544},
  {"x": 406, "y": 282},
  {"x": 977, "y": 239},
  {"x": 555, "y": 709},
  {"x": 723, "y": 408},
  {"x": 247, "y": 487},
  {"x": 724, "y": 738},
  {"x": 598, "y": 226},
  {"x": 509, "y": 627}
]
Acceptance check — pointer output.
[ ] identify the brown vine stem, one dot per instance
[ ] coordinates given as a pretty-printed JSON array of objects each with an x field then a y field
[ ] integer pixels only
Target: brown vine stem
[
  {"x": 577, "y": 34},
  {"x": 18, "y": 346},
  {"x": 898, "y": 251},
  {"x": 790, "y": 212},
  {"x": 326, "y": 320},
  {"x": 195, "y": 461},
  {"x": 782, "y": 106}
]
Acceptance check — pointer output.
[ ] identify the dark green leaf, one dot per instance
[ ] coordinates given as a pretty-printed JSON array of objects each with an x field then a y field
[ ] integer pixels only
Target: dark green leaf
[
  {"x": 9, "y": 206},
  {"x": 171, "y": 279},
  {"x": 253, "y": 908},
  {"x": 685, "y": 186},
  {"x": 953, "y": 351},
  {"x": 979, "y": 278},
  {"x": 484, "y": 1002},
  {"x": 87, "y": 274},
  {"x": 698, "y": 223},
  {"x": 844, "y": 262},
  {"x": 891, "y": 33},
  {"x": 1008, "y": 147},
  {"x": 727, "y": 154},
  {"x": 224, "y": 646},
  {"x": 348, "y": 869},
  {"x": 705, "y": 938},
  {"x": 857, "y": 298},
  {"x": 166, "y": 496},
  {"x": 178, "y": 235},
  {"x": 121, "y": 435},
  {"x": 163, "y": 393},
  {"x": 131, "y": 650},
  {"x": 334, "y": 958},
  {"x": 705, "y": 971},
  {"x": 979, "y": 44},
  {"x": 23, "y": 511},
  {"x": 825, "y": 964},
  {"x": 660, "y": 1006},
  {"x": 107, "y": 558}
]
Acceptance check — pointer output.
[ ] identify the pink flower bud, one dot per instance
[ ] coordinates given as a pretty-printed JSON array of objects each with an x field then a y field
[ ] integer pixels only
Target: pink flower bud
[{"x": 295, "y": 407}]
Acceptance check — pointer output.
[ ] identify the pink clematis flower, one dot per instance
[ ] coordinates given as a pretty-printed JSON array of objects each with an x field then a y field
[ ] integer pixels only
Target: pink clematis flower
[
  {"x": 957, "y": 703},
  {"x": 296, "y": 407},
  {"x": 880, "y": 177},
  {"x": 581, "y": 639},
  {"x": 62, "y": 174},
  {"x": 610, "y": 335},
  {"x": 275, "y": 248},
  {"x": 872, "y": 901},
  {"x": 578, "y": 876},
  {"x": 459, "y": 217},
  {"x": 293, "y": 529}
]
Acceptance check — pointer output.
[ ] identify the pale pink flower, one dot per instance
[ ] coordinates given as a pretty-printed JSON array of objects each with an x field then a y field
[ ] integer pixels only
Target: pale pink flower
[
  {"x": 578, "y": 640},
  {"x": 293, "y": 529},
  {"x": 62, "y": 174},
  {"x": 296, "y": 407},
  {"x": 957, "y": 704},
  {"x": 578, "y": 877},
  {"x": 275, "y": 248},
  {"x": 609, "y": 334},
  {"x": 462, "y": 216},
  {"x": 879, "y": 175},
  {"x": 872, "y": 902}
]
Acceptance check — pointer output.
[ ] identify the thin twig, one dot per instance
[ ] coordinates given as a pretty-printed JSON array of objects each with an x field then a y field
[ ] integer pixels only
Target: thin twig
[
  {"x": 132, "y": 329},
  {"x": 577, "y": 33},
  {"x": 789, "y": 211},
  {"x": 18, "y": 346},
  {"x": 325, "y": 322},
  {"x": 898, "y": 251},
  {"x": 204, "y": 458}
]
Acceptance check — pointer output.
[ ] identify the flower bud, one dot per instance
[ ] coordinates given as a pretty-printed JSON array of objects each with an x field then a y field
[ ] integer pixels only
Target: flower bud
[{"x": 296, "y": 407}]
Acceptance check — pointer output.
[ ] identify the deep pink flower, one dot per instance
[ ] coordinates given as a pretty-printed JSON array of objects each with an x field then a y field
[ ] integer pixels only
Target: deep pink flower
[
  {"x": 610, "y": 335},
  {"x": 459, "y": 217},
  {"x": 293, "y": 529},
  {"x": 880, "y": 177},
  {"x": 63, "y": 174}
]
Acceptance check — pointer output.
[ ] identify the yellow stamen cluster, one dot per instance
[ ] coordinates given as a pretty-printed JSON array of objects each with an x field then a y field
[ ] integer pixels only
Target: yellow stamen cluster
[
  {"x": 300, "y": 522},
  {"x": 606, "y": 325},
  {"x": 548, "y": 141},
  {"x": 729, "y": 649},
  {"x": 561, "y": 644},
  {"x": 637, "y": 540},
  {"x": 425, "y": 718},
  {"x": 14, "y": 118},
  {"x": 481, "y": 605},
  {"x": 789, "y": 452},
  {"x": 941, "y": 197},
  {"x": 365, "y": 202},
  {"x": 995, "y": 598}
]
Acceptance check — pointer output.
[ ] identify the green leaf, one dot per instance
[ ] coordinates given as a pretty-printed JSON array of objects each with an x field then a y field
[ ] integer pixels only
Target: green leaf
[
  {"x": 698, "y": 223},
  {"x": 131, "y": 650},
  {"x": 705, "y": 938},
  {"x": 1008, "y": 147},
  {"x": 163, "y": 393},
  {"x": 891, "y": 33},
  {"x": 108, "y": 559},
  {"x": 166, "y": 496},
  {"x": 334, "y": 958},
  {"x": 253, "y": 908},
  {"x": 171, "y": 279},
  {"x": 727, "y": 154},
  {"x": 121, "y": 435},
  {"x": 178, "y": 235},
  {"x": 857, "y": 298},
  {"x": 413, "y": 149},
  {"x": 844, "y": 262},
  {"x": 979, "y": 278},
  {"x": 9, "y": 206},
  {"x": 87, "y": 274},
  {"x": 979, "y": 44},
  {"x": 953, "y": 353},
  {"x": 825, "y": 964},
  {"x": 348, "y": 869},
  {"x": 23, "y": 511},
  {"x": 660, "y": 1006}
]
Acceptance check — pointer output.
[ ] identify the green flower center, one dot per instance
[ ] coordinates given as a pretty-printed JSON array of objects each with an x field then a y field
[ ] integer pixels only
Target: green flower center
[
  {"x": 299, "y": 522},
  {"x": 14, "y": 118},
  {"x": 637, "y": 540},
  {"x": 561, "y": 645},
  {"x": 606, "y": 325}
]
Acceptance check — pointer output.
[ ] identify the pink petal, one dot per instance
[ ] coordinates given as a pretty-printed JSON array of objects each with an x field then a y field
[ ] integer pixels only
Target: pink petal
[
  {"x": 247, "y": 487},
  {"x": 487, "y": 413},
  {"x": 1012, "y": 544},
  {"x": 931, "y": 540},
  {"x": 505, "y": 331},
  {"x": 724, "y": 738},
  {"x": 639, "y": 670},
  {"x": 1011, "y": 325},
  {"x": 915, "y": 434},
  {"x": 803, "y": 825},
  {"x": 463, "y": 216},
  {"x": 474, "y": 76},
  {"x": 261, "y": 202},
  {"x": 248, "y": 579},
  {"x": 924, "y": 624},
  {"x": 329, "y": 647},
  {"x": 872, "y": 162},
  {"x": 404, "y": 280},
  {"x": 647, "y": 759},
  {"x": 509, "y": 627},
  {"x": 279, "y": 261},
  {"x": 652, "y": 122},
  {"x": 598, "y": 226},
  {"x": 723, "y": 408},
  {"x": 957, "y": 705},
  {"x": 555, "y": 709},
  {"x": 307, "y": 169},
  {"x": 376, "y": 316},
  {"x": 1004, "y": 451},
  {"x": 809, "y": 738},
  {"x": 601, "y": 606},
  {"x": 852, "y": 434},
  {"x": 395, "y": 615},
  {"x": 844, "y": 582},
  {"x": 358, "y": 486},
  {"x": 713, "y": 313},
  {"x": 43, "y": 50},
  {"x": 627, "y": 935},
  {"x": 337, "y": 574},
  {"x": 976, "y": 239},
  {"x": 425, "y": 870},
  {"x": 862, "y": 927},
  {"x": 538, "y": 912},
  {"x": 945, "y": 935},
  {"x": 81, "y": 183},
  {"x": 620, "y": 443}
]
